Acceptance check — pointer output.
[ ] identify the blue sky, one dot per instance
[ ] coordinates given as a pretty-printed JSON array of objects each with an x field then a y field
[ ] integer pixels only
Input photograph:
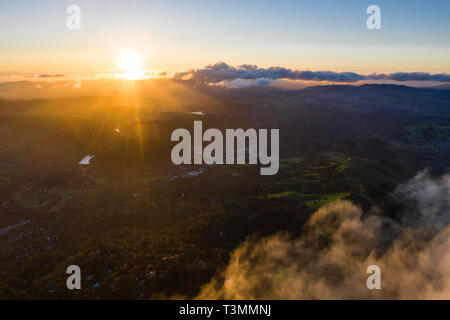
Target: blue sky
[{"x": 180, "y": 34}]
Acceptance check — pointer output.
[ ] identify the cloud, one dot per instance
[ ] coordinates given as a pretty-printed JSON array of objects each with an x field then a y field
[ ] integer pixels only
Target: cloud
[
  {"x": 338, "y": 243},
  {"x": 244, "y": 83},
  {"x": 77, "y": 84},
  {"x": 223, "y": 72},
  {"x": 51, "y": 75},
  {"x": 417, "y": 76}
]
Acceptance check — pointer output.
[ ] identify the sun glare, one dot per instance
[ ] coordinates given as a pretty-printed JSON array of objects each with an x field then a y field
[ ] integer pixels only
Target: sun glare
[{"x": 130, "y": 66}]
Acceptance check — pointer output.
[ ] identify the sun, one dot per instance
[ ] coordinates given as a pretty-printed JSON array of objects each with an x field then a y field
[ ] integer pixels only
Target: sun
[{"x": 129, "y": 65}]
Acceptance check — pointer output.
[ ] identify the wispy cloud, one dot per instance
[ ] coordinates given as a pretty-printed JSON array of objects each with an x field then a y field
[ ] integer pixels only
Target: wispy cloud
[
  {"x": 51, "y": 75},
  {"x": 329, "y": 259}
]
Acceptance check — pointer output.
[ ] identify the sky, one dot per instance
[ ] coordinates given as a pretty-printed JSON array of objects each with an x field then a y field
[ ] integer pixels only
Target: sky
[{"x": 178, "y": 35}]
